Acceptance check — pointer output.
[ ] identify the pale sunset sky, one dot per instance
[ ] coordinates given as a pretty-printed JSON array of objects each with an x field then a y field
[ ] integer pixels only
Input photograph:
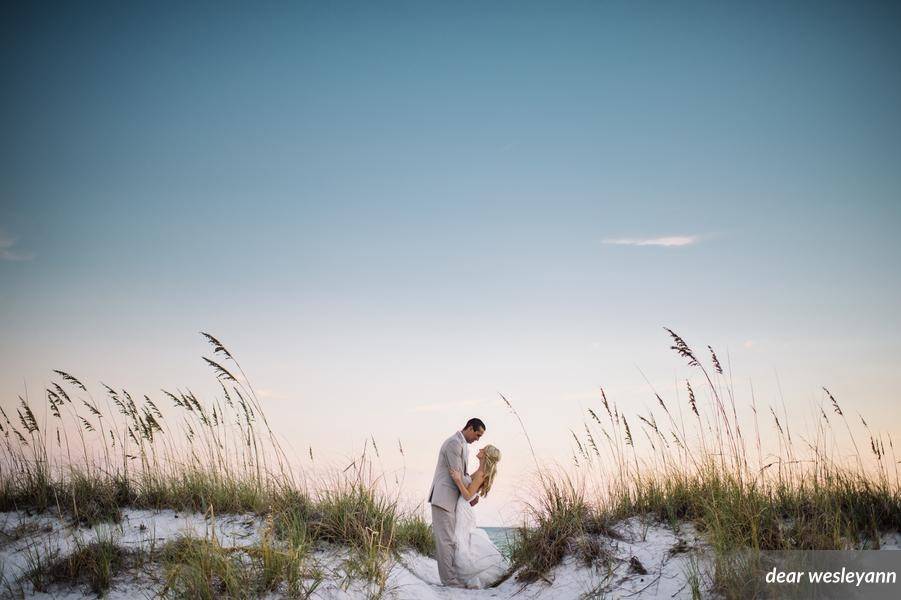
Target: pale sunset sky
[{"x": 391, "y": 212}]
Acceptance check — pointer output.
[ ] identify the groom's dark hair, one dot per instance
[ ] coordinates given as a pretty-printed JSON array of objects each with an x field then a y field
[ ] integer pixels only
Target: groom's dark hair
[{"x": 475, "y": 424}]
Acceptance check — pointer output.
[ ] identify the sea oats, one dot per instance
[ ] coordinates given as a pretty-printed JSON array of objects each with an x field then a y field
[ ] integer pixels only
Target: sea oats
[
  {"x": 628, "y": 431},
  {"x": 132, "y": 407},
  {"x": 31, "y": 424},
  {"x": 114, "y": 396},
  {"x": 778, "y": 425},
  {"x": 652, "y": 423},
  {"x": 605, "y": 403},
  {"x": 682, "y": 348},
  {"x": 173, "y": 397},
  {"x": 91, "y": 408},
  {"x": 691, "y": 398},
  {"x": 716, "y": 361},
  {"x": 221, "y": 372},
  {"x": 835, "y": 405},
  {"x": 578, "y": 443},
  {"x": 62, "y": 392},
  {"x": 218, "y": 347},
  {"x": 54, "y": 402},
  {"x": 660, "y": 400},
  {"x": 70, "y": 379},
  {"x": 591, "y": 440},
  {"x": 153, "y": 407},
  {"x": 228, "y": 398}
]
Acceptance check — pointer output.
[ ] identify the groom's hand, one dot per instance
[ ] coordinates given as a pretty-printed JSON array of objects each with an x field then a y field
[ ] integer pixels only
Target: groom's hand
[{"x": 474, "y": 501}]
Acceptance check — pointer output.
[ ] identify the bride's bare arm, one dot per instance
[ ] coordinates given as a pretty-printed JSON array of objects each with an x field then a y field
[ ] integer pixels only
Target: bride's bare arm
[{"x": 466, "y": 492}]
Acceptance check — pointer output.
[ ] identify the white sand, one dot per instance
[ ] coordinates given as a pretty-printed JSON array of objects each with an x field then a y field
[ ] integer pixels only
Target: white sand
[
  {"x": 140, "y": 529},
  {"x": 667, "y": 556}
]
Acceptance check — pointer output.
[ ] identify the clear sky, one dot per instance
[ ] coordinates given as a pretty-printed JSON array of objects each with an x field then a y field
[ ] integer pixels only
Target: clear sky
[{"x": 393, "y": 211}]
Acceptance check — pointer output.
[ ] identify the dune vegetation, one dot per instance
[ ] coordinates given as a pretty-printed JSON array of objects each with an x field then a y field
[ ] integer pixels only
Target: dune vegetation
[
  {"x": 686, "y": 461},
  {"x": 214, "y": 457},
  {"x": 697, "y": 463}
]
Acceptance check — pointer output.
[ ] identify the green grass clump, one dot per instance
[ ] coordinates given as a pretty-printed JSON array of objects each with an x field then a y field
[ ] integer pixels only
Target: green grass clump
[
  {"x": 561, "y": 515},
  {"x": 94, "y": 565},
  {"x": 197, "y": 568},
  {"x": 414, "y": 533}
]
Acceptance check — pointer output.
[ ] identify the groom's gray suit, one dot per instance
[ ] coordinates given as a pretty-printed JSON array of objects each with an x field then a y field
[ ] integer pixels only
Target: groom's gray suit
[{"x": 443, "y": 498}]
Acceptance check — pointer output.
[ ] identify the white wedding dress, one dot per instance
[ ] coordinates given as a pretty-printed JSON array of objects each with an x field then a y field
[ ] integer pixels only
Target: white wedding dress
[{"x": 477, "y": 560}]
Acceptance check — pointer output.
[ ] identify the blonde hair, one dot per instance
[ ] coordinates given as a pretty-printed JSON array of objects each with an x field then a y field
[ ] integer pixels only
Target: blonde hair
[{"x": 489, "y": 462}]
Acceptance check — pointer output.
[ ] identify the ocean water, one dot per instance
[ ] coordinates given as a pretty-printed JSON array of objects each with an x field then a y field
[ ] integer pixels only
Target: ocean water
[{"x": 502, "y": 537}]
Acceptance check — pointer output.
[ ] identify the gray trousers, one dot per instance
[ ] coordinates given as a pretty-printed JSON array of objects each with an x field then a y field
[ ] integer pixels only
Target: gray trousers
[{"x": 443, "y": 523}]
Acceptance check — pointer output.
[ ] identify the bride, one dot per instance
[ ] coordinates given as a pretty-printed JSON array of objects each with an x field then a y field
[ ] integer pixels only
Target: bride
[{"x": 477, "y": 560}]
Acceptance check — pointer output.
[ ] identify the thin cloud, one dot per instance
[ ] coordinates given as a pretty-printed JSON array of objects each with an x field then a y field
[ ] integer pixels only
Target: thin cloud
[
  {"x": 673, "y": 241},
  {"x": 7, "y": 243},
  {"x": 271, "y": 394}
]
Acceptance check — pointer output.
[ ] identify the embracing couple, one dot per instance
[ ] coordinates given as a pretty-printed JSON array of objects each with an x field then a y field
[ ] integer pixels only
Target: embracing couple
[{"x": 466, "y": 555}]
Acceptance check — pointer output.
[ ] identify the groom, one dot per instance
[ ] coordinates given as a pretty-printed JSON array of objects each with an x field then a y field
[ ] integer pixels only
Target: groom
[{"x": 443, "y": 496}]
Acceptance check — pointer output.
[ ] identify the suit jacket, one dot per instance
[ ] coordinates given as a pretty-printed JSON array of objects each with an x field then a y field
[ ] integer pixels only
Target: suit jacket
[{"x": 454, "y": 453}]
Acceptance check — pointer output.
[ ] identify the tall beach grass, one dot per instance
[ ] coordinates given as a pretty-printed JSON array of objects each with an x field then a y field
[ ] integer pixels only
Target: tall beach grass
[
  {"x": 694, "y": 460},
  {"x": 91, "y": 455}
]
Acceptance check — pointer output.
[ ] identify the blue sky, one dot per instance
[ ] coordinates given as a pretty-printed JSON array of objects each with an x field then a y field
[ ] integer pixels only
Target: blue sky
[{"x": 393, "y": 212}]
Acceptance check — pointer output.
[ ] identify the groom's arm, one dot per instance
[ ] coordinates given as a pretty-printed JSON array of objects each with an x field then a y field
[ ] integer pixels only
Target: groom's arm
[
  {"x": 468, "y": 491},
  {"x": 453, "y": 455}
]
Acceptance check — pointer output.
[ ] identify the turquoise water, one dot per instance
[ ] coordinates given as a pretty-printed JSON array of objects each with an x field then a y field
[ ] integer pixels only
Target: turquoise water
[{"x": 501, "y": 536}]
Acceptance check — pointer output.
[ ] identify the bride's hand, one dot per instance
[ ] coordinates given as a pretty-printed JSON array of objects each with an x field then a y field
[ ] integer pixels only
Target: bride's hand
[{"x": 455, "y": 474}]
